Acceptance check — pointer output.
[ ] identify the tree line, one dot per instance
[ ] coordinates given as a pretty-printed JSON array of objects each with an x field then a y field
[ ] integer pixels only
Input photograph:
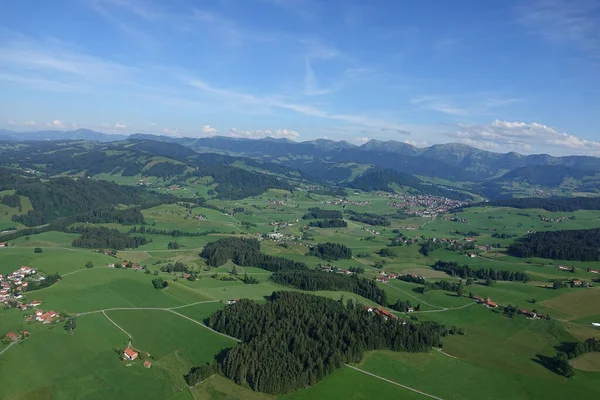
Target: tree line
[
  {"x": 318, "y": 213},
  {"x": 556, "y": 204},
  {"x": 245, "y": 252},
  {"x": 568, "y": 351},
  {"x": 12, "y": 200},
  {"x": 128, "y": 216},
  {"x": 312, "y": 280},
  {"x": 235, "y": 183},
  {"x": 296, "y": 339},
  {"x": 578, "y": 245},
  {"x": 105, "y": 238},
  {"x": 62, "y": 197},
  {"x": 329, "y": 223},
  {"x": 330, "y": 251},
  {"x": 464, "y": 271},
  {"x": 174, "y": 232},
  {"x": 368, "y": 218}
]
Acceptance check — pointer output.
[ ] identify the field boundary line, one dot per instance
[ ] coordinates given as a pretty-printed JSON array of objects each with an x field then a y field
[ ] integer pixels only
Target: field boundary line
[
  {"x": 204, "y": 326},
  {"x": 416, "y": 298},
  {"x": 115, "y": 324},
  {"x": 395, "y": 383},
  {"x": 193, "y": 304}
]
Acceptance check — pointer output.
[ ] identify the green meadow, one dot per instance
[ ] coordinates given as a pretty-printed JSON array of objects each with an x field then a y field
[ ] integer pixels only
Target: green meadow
[{"x": 499, "y": 357}]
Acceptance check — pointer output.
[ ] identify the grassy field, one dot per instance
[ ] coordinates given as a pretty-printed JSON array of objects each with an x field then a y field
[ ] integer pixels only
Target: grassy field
[
  {"x": 347, "y": 383},
  {"x": 79, "y": 365},
  {"x": 587, "y": 362},
  {"x": 498, "y": 358}
]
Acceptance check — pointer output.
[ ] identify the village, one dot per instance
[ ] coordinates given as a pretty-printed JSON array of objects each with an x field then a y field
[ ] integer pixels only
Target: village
[
  {"x": 432, "y": 205},
  {"x": 13, "y": 285}
]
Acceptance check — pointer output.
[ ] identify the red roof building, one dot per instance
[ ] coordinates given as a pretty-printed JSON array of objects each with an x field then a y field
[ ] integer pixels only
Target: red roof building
[
  {"x": 12, "y": 336},
  {"x": 130, "y": 353},
  {"x": 147, "y": 364}
]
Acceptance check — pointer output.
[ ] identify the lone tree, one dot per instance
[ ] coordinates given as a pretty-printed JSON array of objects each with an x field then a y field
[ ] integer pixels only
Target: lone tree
[
  {"x": 159, "y": 283},
  {"x": 37, "y": 250},
  {"x": 89, "y": 264},
  {"x": 70, "y": 325},
  {"x": 234, "y": 270}
]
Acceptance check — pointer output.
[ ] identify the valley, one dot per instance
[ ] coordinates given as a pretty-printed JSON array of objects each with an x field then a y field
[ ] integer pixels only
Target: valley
[{"x": 164, "y": 259}]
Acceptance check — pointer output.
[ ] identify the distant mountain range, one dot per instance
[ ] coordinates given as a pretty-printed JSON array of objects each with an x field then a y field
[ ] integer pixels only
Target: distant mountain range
[{"x": 337, "y": 161}]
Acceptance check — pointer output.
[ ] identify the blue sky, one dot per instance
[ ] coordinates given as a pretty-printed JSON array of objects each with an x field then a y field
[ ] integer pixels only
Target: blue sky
[{"x": 498, "y": 75}]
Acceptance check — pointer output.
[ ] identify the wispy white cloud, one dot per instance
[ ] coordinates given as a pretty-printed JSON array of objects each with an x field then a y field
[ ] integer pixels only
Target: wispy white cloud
[
  {"x": 564, "y": 21},
  {"x": 49, "y": 56},
  {"x": 523, "y": 137},
  {"x": 462, "y": 105},
  {"x": 306, "y": 10},
  {"x": 435, "y": 103},
  {"x": 261, "y": 133},
  {"x": 142, "y": 9}
]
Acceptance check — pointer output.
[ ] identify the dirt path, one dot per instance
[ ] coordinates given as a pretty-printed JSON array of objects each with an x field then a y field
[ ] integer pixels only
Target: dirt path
[
  {"x": 115, "y": 324},
  {"x": 416, "y": 298},
  {"x": 171, "y": 310},
  {"x": 446, "y": 354},
  {"x": 204, "y": 326},
  {"x": 395, "y": 383},
  {"x": 8, "y": 347},
  {"x": 143, "y": 308}
]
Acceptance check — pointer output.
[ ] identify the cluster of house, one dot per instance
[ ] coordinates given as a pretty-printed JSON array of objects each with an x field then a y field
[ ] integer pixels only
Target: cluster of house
[
  {"x": 373, "y": 231},
  {"x": 456, "y": 219},
  {"x": 278, "y": 202},
  {"x": 283, "y": 224},
  {"x": 557, "y": 219},
  {"x": 580, "y": 283},
  {"x": 127, "y": 264},
  {"x": 346, "y": 201},
  {"x": 331, "y": 268},
  {"x": 486, "y": 302},
  {"x": 278, "y": 237},
  {"x": 45, "y": 317},
  {"x": 13, "y": 285},
  {"x": 381, "y": 312},
  {"x": 33, "y": 304},
  {"x": 386, "y": 276},
  {"x": 432, "y": 205},
  {"x": 14, "y": 337},
  {"x": 130, "y": 354}
]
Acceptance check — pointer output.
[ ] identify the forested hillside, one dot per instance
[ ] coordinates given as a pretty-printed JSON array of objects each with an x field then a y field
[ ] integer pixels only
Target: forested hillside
[
  {"x": 245, "y": 252},
  {"x": 318, "y": 280},
  {"x": 61, "y": 197},
  {"x": 579, "y": 245},
  {"x": 295, "y": 340},
  {"x": 562, "y": 204}
]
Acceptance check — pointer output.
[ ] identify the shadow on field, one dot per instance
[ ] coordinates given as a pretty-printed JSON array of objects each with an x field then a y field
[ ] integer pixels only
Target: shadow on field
[
  {"x": 546, "y": 362},
  {"x": 566, "y": 347}
]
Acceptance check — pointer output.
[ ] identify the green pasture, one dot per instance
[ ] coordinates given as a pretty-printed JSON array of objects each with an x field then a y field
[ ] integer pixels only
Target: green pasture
[
  {"x": 83, "y": 364},
  {"x": 347, "y": 383},
  {"x": 451, "y": 378},
  {"x": 100, "y": 288},
  {"x": 52, "y": 259},
  {"x": 162, "y": 332}
]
